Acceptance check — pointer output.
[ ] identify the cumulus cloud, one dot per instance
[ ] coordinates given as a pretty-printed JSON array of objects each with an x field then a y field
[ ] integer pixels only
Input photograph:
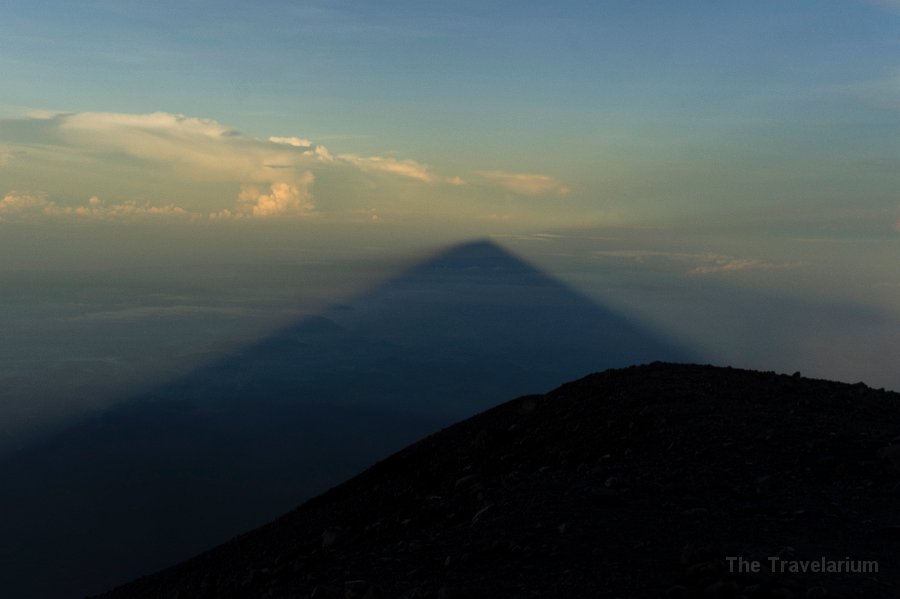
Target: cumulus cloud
[
  {"x": 409, "y": 169},
  {"x": 275, "y": 175},
  {"x": 18, "y": 206},
  {"x": 278, "y": 176},
  {"x": 532, "y": 184},
  {"x": 281, "y": 199},
  {"x": 14, "y": 203}
]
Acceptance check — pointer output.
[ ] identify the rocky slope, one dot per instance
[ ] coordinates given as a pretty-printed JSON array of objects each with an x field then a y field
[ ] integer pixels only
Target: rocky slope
[{"x": 638, "y": 482}]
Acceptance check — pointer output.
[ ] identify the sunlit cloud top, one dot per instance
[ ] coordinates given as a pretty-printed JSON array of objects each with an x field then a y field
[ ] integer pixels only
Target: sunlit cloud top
[
  {"x": 568, "y": 112},
  {"x": 274, "y": 177}
]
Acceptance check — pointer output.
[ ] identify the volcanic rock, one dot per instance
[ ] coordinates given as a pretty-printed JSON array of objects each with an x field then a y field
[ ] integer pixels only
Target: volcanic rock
[{"x": 646, "y": 481}]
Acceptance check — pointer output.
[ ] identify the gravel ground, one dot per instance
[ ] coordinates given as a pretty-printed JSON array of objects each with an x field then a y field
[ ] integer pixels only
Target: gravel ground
[{"x": 638, "y": 482}]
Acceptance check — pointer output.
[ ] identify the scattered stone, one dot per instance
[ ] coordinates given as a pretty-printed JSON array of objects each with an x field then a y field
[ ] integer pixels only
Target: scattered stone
[
  {"x": 330, "y": 537},
  {"x": 720, "y": 441}
]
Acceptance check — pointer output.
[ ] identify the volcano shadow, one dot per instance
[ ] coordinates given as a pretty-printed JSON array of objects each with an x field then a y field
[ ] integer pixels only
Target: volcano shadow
[{"x": 235, "y": 443}]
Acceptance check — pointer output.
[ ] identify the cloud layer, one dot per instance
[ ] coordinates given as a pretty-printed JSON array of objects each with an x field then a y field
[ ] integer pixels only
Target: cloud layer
[
  {"x": 278, "y": 177},
  {"x": 530, "y": 184},
  {"x": 699, "y": 264},
  {"x": 18, "y": 206}
]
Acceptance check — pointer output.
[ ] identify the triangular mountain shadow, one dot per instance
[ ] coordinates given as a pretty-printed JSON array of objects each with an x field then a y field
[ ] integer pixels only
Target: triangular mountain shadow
[{"x": 235, "y": 443}]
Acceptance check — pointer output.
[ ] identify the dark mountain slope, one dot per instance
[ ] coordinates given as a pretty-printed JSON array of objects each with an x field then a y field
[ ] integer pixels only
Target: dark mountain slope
[
  {"x": 234, "y": 444},
  {"x": 630, "y": 483}
]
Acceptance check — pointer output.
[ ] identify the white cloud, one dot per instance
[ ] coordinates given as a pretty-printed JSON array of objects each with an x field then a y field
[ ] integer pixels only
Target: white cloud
[
  {"x": 409, "y": 169},
  {"x": 890, "y": 4},
  {"x": 531, "y": 184},
  {"x": 292, "y": 141},
  {"x": 14, "y": 204},
  {"x": 18, "y": 206},
  {"x": 282, "y": 199},
  {"x": 195, "y": 159},
  {"x": 201, "y": 148},
  {"x": 275, "y": 175}
]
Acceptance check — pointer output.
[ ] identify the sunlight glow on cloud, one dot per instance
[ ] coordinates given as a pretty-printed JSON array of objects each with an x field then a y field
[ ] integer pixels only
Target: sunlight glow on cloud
[
  {"x": 202, "y": 148},
  {"x": 319, "y": 151},
  {"x": 14, "y": 203},
  {"x": 532, "y": 184},
  {"x": 292, "y": 141},
  {"x": 284, "y": 198},
  {"x": 164, "y": 155},
  {"x": 16, "y": 206},
  {"x": 380, "y": 164},
  {"x": 207, "y": 150}
]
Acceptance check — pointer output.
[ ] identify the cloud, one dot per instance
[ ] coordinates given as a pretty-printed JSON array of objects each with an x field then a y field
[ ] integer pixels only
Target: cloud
[
  {"x": 200, "y": 148},
  {"x": 292, "y": 141},
  {"x": 204, "y": 146},
  {"x": 197, "y": 160},
  {"x": 319, "y": 151},
  {"x": 700, "y": 264},
  {"x": 17, "y": 207},
  {"x": 728, "y": 264},
  {"x": 275, "y": 175},
  {"x": 532, "y": 184},
  {"x": 6, "y": 156},
  {"x": 282, "y": 199},
  {"x": 409, "y": 169},
  {"x": 14, "y": 203}
]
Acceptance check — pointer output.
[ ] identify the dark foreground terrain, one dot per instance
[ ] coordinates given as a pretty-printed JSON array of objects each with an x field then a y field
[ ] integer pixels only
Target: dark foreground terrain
[{"x": 639, "y": 482}]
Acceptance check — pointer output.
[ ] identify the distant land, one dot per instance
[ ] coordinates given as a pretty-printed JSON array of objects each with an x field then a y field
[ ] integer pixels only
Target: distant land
[
  {"x": 166, "y": 474},
  {"x": 662, "y": 480}
]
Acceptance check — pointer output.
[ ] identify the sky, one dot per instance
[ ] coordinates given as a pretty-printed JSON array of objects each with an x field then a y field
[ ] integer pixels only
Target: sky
[
  {"x": 668, "y": 156},
  {"x": 600, "y": 112}
]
